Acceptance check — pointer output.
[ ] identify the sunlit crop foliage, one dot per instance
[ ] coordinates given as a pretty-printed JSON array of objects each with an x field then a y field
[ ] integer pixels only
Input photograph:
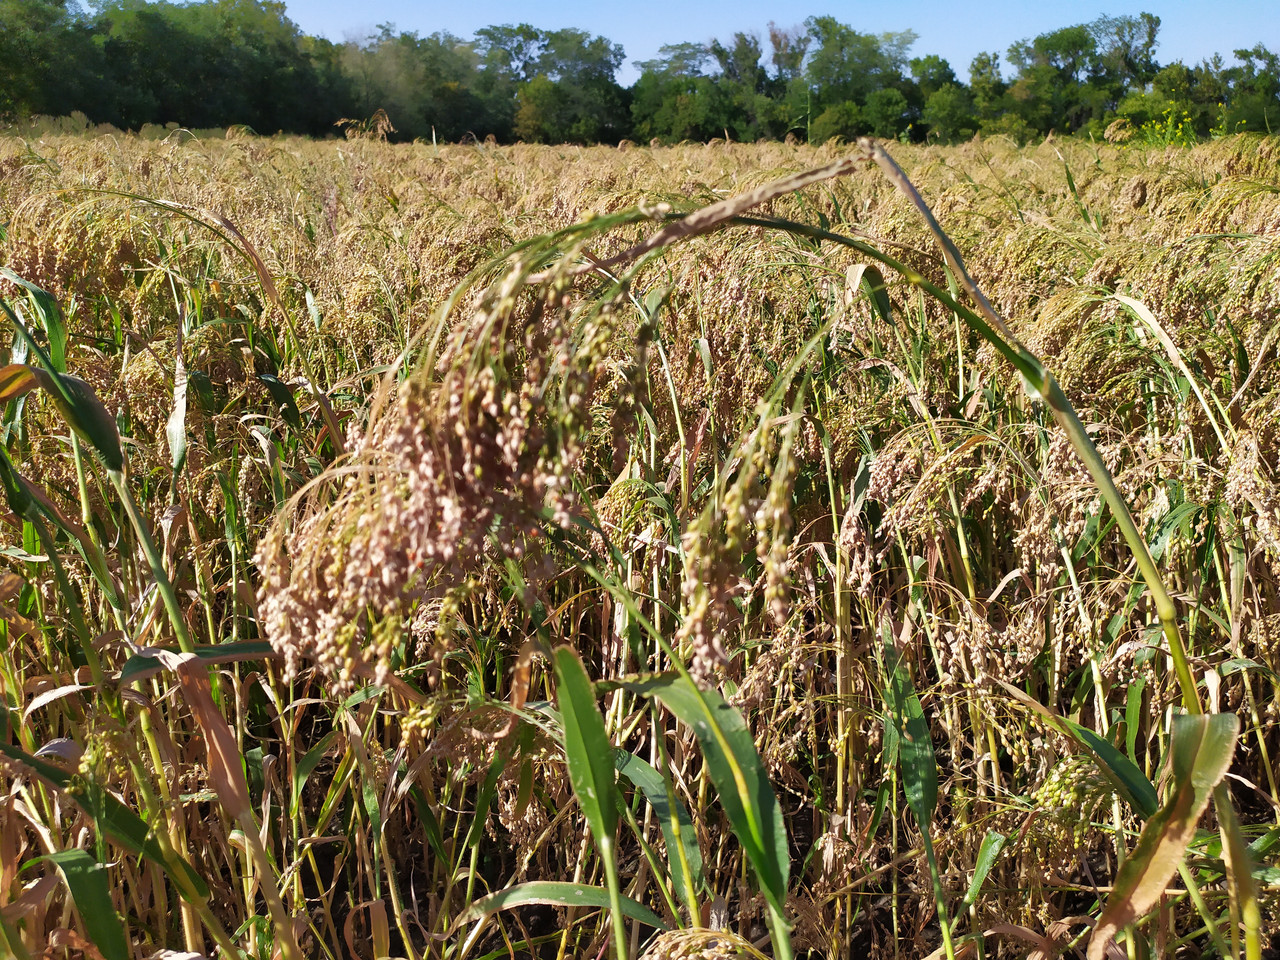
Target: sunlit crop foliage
[{"x": 399, "y": 561}]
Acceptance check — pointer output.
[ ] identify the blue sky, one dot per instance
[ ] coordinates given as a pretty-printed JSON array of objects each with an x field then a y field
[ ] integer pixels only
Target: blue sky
[{"x": 1190, "y": 30}]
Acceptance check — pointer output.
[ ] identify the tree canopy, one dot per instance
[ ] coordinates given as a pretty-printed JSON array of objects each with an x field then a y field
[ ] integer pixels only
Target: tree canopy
[{"x": 215, "y": 63}]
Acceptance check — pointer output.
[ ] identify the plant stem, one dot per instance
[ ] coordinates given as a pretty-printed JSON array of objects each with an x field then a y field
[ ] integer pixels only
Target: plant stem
[{"x": 163, "y": 584}]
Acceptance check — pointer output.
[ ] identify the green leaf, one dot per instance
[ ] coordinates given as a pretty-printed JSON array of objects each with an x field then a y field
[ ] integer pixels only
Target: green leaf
[
  {"x": 1130, "y": 782},
  {"x": 1075, "y": 195},
  {"x": 120, "y": 823},
  {"x": 50, "y": 316},
  {"x": 79, "y": 405},
  {"x": 310, "y": 760},
  {"x": 1132, "y": 717},
  {"x": 739, "y": 777},
  {"x": 1124, "y": 773},
  {"x": 90, "y": 888},
  {"x": 1242, "y": 889},
  {"x": 591, "y": 772},
  {"x": 312, "y": 308},
  {"x": 561, "y": 894},
  {"x": 915, "y": 744},
  {"x": 175, "y": 430},
  {"x": 677, "y": 825},
  {"x": 1200, "y": 753},
  {"x": 484, "y": 798},
  {"x": 17, "y": 493},
  {"x": 587, "y": 747},
  {"x": 201, "y": 388},
  {"x": 372, "y": 808},
  {"x": 1262, "y": 846},
  {"x": 147, "y": 663},
  {"x": 283, "y": 398},
  {"x": 866, "y": 276},
  {"x": 1242, "y": 664},
  {"x": 1179, "y": 519},
  {"x": 430, "y": 822},
  {"x": 992, "y": 845},
  {"x": 74, "y": 398},
  {"x": 17, "y": 553},
  {"x": 16, "y": 380}
]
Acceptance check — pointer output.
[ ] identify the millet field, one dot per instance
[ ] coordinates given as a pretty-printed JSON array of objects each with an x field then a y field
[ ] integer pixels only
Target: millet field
[{"x": 707, "y": 551}]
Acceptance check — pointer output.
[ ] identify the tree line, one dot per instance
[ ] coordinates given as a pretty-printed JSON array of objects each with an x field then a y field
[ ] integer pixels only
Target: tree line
[{"x": 220, "y": 62}]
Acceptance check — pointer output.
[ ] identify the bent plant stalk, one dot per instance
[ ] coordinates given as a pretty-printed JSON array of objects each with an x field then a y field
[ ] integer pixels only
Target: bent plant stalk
[
  {"x": 89, "y": 419},
  {"x": 986, "y": 322},
  {"x": 1243, "y": 896},
  {"x": 979, "y": 317},
  {"x": 1038, "y": 382}
]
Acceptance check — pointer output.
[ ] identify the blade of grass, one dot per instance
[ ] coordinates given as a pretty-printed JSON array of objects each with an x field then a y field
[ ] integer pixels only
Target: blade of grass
[
  {"x": 562, "y": 894},
  {"x": 676, "y": 824},
  {"x": 1240, "y": 880},
  {"x": 992, "y": 846},
  {"x": 591, "y": 772},
  {"x": 1043, "y": 383},
  {"x": 742, "y": 786},
  {"x": 914, "y": 748},
  {"x": 1200, "y": 753},
  {"x": 90, "y": 888}
]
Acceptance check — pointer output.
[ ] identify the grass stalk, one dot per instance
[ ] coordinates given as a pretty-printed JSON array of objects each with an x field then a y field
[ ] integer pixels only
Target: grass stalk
[
  {"x": 164, "y": 586},
  {"x": 945, "y": 468}
]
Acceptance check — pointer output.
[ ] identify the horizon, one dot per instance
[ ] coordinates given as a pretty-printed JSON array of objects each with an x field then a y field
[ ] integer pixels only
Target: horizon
[{"x": 1190, "y": 30}]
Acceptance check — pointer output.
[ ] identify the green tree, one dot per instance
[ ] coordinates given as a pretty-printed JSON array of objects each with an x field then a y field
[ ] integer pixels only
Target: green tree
[
  {"x": 948, "y": 113},
  {"x": 48, "y": 62},
  {"x": 1211, "y": 97},
  {"x": 1254, "y": 99},
  {"x": 753, "y": 111},
  {"x": 1073, "y": 78},
  {"x": 677, "y": 60},
  {"x": 425, "y": 84},
  {"x": 544, "y": 114},
  {"x": 508, "y": 58},
  {"x": 674, "y": 99},
  {"x": 206, "y": 64},
  {"x": 845, "y": 65},
  {"x": 551, "y": 86},
  {"x": 1126, "y": 49},
  {"x": 931, "y": 73},
  {"x": 1051, "y": 68},
  {"x": 577, "y": 57},
  {"x": 740, "y": 61},
  {"x": 584, "y": 67},
  {"x": 987, "y": 87},
  {"x": 886, "y": 112},
  {"x": 787, "y": 51},
  {"x": 843, "y": 120},
  {"x": 510, "y": 52},
  {"x": 1068, "y": 51},
  {"x": 791, "y": 93},
  {"x": 333, "y": 95}
]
